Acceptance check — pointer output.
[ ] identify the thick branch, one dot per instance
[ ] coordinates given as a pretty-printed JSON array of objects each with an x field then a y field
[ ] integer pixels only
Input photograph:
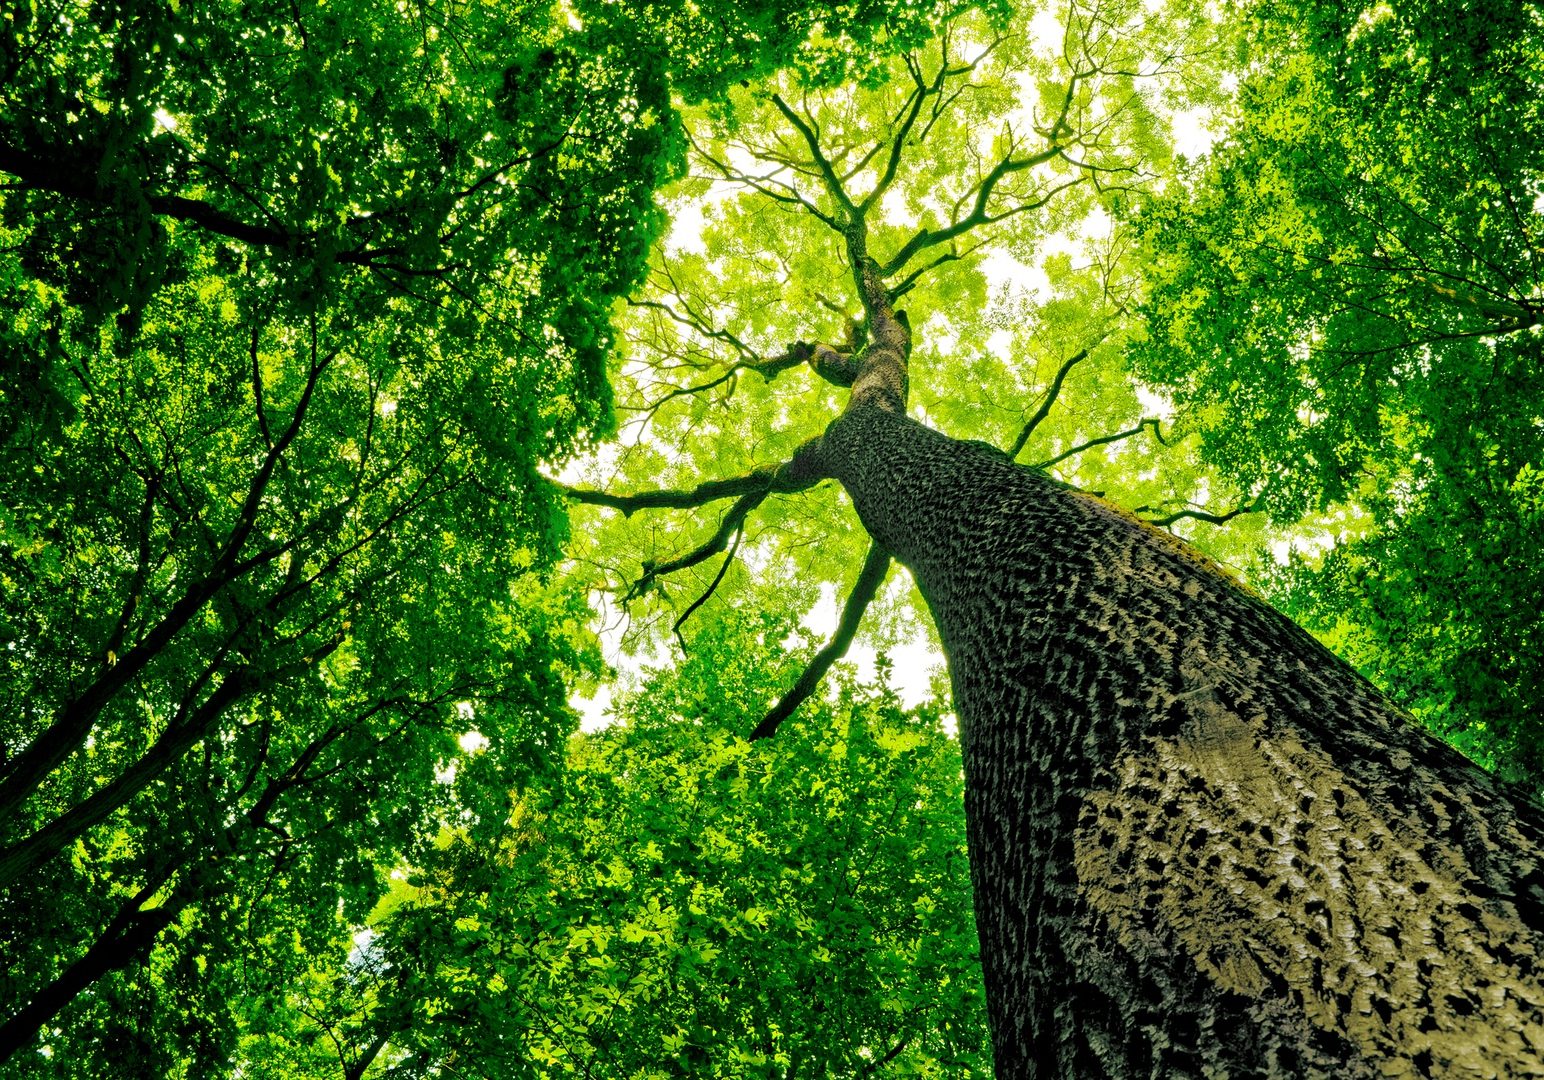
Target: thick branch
[
  {"x": 979, "y": 215},
  {"x": 870, "y": 578},
  {"x": 80, "y": 184},
  {"x": 789, "y": 196},
  {"x": 909, "y": 282},
  {"x": 73, "y": 721},
  {"x": 913, "y": 107},
  {"x": 131, "y": 932},
  {"x": 367, "y": 1057},
  {"x": 189, "y": 725},
  {"x": 762, "y": 481},
  {"x": 768, "y": 368},
  {"x": 838, "y": 368}
]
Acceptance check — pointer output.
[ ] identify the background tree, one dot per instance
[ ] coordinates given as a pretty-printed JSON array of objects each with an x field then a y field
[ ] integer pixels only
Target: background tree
[
  {"x": 685, "y": 903},
  {"x": 297, "y": 299},
  {"x": 1345, "y": 302}
]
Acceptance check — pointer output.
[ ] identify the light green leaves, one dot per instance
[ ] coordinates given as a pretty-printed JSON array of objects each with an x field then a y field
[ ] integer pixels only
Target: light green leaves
[{"x": 688, "y": 902}]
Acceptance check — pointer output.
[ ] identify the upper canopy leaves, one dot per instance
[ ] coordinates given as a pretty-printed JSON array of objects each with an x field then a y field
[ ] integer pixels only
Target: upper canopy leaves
[{"x": 981, "y": 156}]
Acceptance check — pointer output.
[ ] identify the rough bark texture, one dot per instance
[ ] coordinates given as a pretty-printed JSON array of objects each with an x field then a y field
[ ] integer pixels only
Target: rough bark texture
[{"x": 1201, "y": 844}]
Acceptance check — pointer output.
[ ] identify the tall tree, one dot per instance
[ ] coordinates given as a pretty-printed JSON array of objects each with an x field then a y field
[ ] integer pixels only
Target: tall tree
[{"x": 1200, "y": 843}]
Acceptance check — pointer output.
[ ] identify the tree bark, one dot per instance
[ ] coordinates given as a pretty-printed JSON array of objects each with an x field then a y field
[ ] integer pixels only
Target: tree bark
[{"x": 1200, "y": 843}]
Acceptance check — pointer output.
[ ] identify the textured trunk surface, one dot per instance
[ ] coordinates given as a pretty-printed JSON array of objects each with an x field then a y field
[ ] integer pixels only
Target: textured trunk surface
[{"x": 1201, "y": 845}]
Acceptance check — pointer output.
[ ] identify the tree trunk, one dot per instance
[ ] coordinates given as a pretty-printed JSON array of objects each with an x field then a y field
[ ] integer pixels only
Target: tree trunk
[{"x": 1200, "y": 843}]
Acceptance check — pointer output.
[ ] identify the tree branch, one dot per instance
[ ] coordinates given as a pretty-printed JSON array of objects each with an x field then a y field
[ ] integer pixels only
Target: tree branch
[
  {"x": 836, "y": 367},
  {"x": 675, "y": 629},
  {"x": 827, "y": 173},
  {"x": 910, "y": 280},
  {"x": 926, "y": 238},
  {"x": 875, "y": 566},
  {"x": 732, "y": 523},
  {"x": 761, "y": 482},
  {"x": 789, "y": 196},
  {"x": 910, "y": 111},
  {"x": 80, "y": 184},
  {"x": 767, "y": 367},
  {"x": 1202, "y": 515},
  {"x": 28, "y": 770},
  {"x": 1051, "y": 394},
  {"x": 1102, "y": 440}
]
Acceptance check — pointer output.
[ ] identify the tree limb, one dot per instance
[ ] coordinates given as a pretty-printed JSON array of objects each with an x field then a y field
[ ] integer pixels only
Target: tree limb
[
  {"x": 762, "y": 481},
  {"x": 28, "y": 770},
  {"x": 58, "y": 178},
  {"x": 1149, "y": 422},
  {"x": 789, "y": 196},
  {"x": 1050, "y": 396},
  {"x": 731, "y": 525},
  {"x": 875, "y": 566},
  {"x": 837, "y": 368},
  {"x": 909, "y": 282},
  {"x": 1203, "y": 515},
  {"x": 827, "y": 173},
  {"x": 767, "y": 367},
  {"x": 675, "y": 629},
  {"x": 909, "y": 113},
  {"x": 926, "y": 238}
]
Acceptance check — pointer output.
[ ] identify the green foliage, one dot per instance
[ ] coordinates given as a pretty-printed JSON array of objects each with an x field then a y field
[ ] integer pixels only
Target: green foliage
[
  {"x": 684, "y": 904},
  {"x": 716, "y": 43},
  {"x": 297, "y": 298},
  {"x": 997, "y": 307},
  {"x": 299, "y": 301},
  {"x": 1344, "y": 299},
  {"x": 1439, "y": 601}
]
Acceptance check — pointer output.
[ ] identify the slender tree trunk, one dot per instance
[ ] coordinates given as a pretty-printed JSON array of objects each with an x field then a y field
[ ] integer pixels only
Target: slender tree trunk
[{"x": 1200, "y": 843}]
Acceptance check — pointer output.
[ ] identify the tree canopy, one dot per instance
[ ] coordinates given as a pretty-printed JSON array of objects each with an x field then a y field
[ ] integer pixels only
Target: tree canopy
[
  {"x": 1346, "y": 296},
  {"x": 683, "y": 903},
  {"x": 299, "y": 299},
  {"x": 306, "y": 306}
]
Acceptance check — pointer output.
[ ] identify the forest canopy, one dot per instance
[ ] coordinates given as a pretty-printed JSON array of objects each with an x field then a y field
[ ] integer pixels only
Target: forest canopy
[{"x": 365, "y": 367}]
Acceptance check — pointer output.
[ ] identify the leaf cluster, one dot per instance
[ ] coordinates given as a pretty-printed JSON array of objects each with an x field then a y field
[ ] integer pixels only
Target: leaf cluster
[{"x": 686, "y": 903}]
